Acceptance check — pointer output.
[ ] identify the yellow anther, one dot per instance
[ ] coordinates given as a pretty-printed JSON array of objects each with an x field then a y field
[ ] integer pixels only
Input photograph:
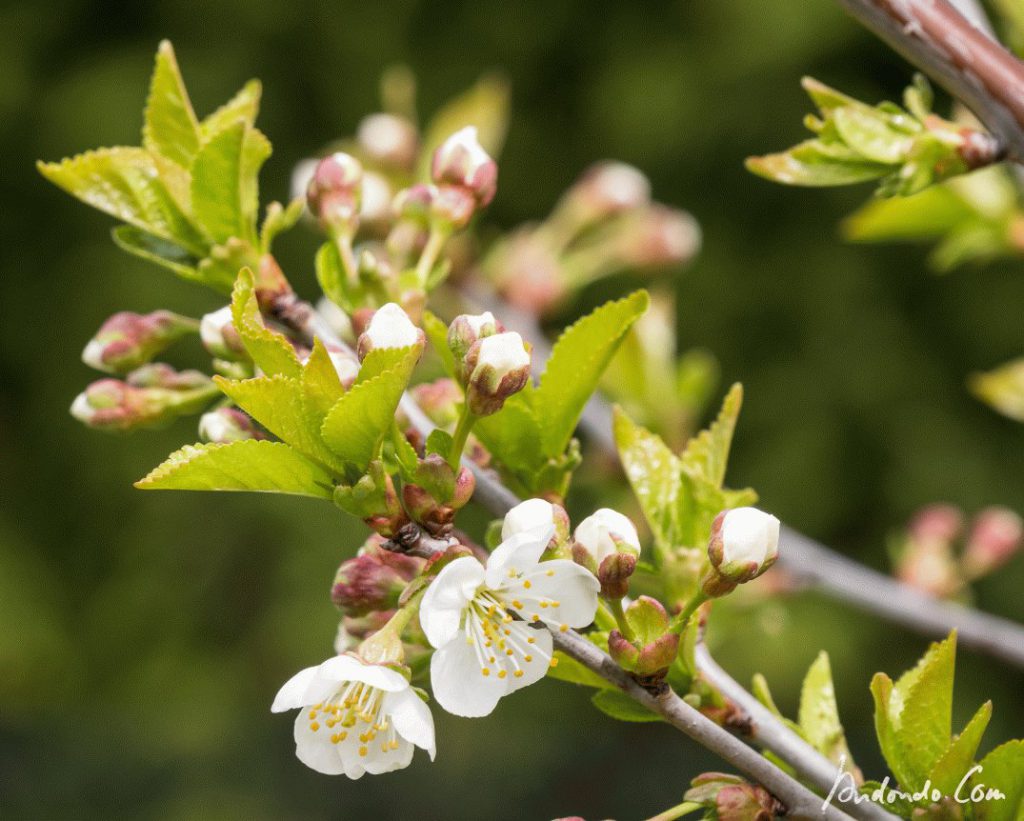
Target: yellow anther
[
  {"x": 492, "y": 610},
  {"x": 518, "y": 605},
  {"x": 342, "y": 735},
  {"x": 363, "y": 751},
  {"x": 314, "y": 726},
  {"x": 506, "y": 618},
  {"x": 491, "y": 659},
  {"x": 488, "y": 643},
  {"x": 519, "y": 674},
  {"x": 508, "y": 652},
  {"x": 394, "y": 744},
  {"x": 544, "y": 604},
  {"x": 484, "y": 671},
  {"x": 527, "y": 659},
  {"x": 312, "y": 714},
  {"x": 530, "y": 640},
  {"x": 384, "y": 747},
  {"x": 563, "y": 628},
  {"x": 502, "y": 673},
  {"x": 554, "y": 661},
  {"x": 527, "y": 584},
  {"x": 507, "y": 632},
  {"x": 550, "y": 573},
  {"x": 556, "y": 603},
  {"x": 535, "y": 617}
]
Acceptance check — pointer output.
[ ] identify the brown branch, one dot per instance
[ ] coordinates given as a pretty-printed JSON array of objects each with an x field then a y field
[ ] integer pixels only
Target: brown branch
[{"x": 967, "y": 61}]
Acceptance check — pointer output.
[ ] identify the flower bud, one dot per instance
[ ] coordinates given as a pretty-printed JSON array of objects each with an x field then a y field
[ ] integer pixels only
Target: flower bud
[
  {"x": 373, "y": 580},
  {"x": 466, "y": 329},
  {"x": 219, "y": 336},
  {"x": 389, "y": 140},
  {"x": 936, "y": 523},
  {"x": 375, "y": 209},
  {"x": 436, "y": 492},
  {"x": 658, "y": 237},
  {"x": 335, "y": 192},
  {"x": 654, "y": 646},
  {"x": 605, "y": 189},
  {"x": 602, "y": 534},
  {"x": 302, "y": 175},
  {"x": 534, "y": 514},
  {"x": 744, "y": 544},
  {"x": 390, "y": 327},
  {"x": 451, "y": 208},
  {"x": 996, "y": 536},
  {"x": 224, "y": 425},
  {"x": 495, "y": 367},
  {"x": 527, "y": 272},
  {"x": 730, "y": 798},
  {"x": 346, "y": 365},
  {"x": 461, "y": 161},
  {"x": 374, "y": 500},
  {"x": 413, "y": 204},
  {"x": 439, "y": 400},
  {"x": 128, "y": 340},
  {"x": 149, "y": 397},
  {"x": 613, "y": 572}
]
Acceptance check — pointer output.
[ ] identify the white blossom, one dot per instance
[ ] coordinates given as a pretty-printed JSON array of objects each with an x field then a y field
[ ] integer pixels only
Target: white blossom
[{"x": 604, "y": 532}]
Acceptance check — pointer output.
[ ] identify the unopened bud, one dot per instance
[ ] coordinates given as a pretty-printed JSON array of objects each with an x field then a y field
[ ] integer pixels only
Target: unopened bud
[
  {"x": 346, "y": 365},
  {"x": 744, "y": 544},
  {"x": 439, "y": 400},
  {"x": 601, "y": 534},
  {"x": 390, "y": 140},
  {"x": 495, "y": 367},
  {"x": 654, "y": 646},
  {"x": 614, "y": 572},
  {"x": 437, "y": 493},
  {"x": 390, "y": 327},
  {"x": 335, "y": 192},
  {"x": 219, "y": 336},
  {"x": 151, "y": 400},
  {"x": 461, "y": 161},
  {"x": 452, "y": 207},
  {"x": 413, "y": 204},
  {"x": 466, "y": 329},
  {"x": 936, "y": 523},
  {"x": 374, "y": 500},
  {"x": 996, "y": 536},
  {"x": 604, "y": 190},
  {"x": 224, "y": 425},
  {"x": 128, "y": 340},
  {"x": 658, "y": 237},
  {"x": 373, "y": 580},
  {"x": 730, "y": 798},
  {"x": 537, "y": 514},
  {"x": 375, "y": 210}
]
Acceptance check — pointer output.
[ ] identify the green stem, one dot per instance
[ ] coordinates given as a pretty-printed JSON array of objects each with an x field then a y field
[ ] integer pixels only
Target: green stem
[
  {"x": 466, "y": 420},
  {"x": 679, "y": 622},
  {"x": 678, "y": 811},
  {"x": 604, "y": 619},
  {"x": 343, "y": 243},
  {"x": 431, "y": 251},
  {"x": 615, "y": 605}
]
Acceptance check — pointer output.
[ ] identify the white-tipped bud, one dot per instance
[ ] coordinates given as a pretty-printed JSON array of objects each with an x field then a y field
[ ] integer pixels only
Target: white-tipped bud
[
  {"x": 390, "y": 327},
  {"x": 375, "y": 209},
  {"x": 461, "y": 161},
  {"x": 536, "y": 514},
  {"x": 389, "y": 139},
  {"x": 302, "y": 174},
  {"x": 996, "y": 535},
  {"x": 346, "y": 365},
  {"x": 609, "y": 188},
  {"x": 223, "y": 425},
  {"x": 335, "y": 192},
  {"x": 217, "y": 331},
  {"x": 744, "y": 544},
  {"x": 604, "y": 532},
  {"x": 495, "y": 367},
  {"x": 467, "y": 329}
]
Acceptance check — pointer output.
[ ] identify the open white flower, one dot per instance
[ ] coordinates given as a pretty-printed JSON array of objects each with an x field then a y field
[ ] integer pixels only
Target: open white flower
[
  {"x": 355, "y": 717},
  {"x": 483, "y": 651}
]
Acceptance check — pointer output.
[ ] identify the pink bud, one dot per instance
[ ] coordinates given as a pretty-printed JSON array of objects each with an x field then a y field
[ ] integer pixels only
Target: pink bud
[
  {"x": 335, "y": 193},
  {"x": 658, "y": 237},
  {"x": 495, "y": 367},
  {"x": 606, "y": 189},
  {"x": 150, "y": 397},
  {"x": 128, "y": 340},
  {"x": 389, "y": 139},
  {"x": 939, "y": 523},
  {"x": 461, "y": 161},
  {"x": 466, "y": 329},
  {"x": 219, "y": 336},
  {"x": 996, "y": 536},
  {"x": 439, "y": 400},
  {"x": 224, "y": 425},
  {"x": 373, "y": 580}
]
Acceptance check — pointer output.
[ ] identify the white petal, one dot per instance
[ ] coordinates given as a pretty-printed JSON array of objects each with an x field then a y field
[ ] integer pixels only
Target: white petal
[
  {"x": 526, "y": 516},
  {"x": 574, "y": 588},
  {"x": 446, "y": 598},
  {"x": 519, "y": 553},
  {"x": 314, "y": 749},
  {"x": 349, "y": 668},
  {"x": 412, "y": 719},
  {"x": 291, "y": 694},
  {"x": 458, "y": 684},
  {"x": 540, "y": 655},
  {"x": 377, "y": 761}
]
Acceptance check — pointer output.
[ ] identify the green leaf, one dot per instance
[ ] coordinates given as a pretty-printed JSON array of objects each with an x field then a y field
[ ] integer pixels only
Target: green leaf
[
  {"x": 220, "y": 268},
  {"x": 513, "y": 435},
  {"x": 577, "y": 360},
  {"x": 807, "y": 165},
  {"x": 321, "y": 387},
  {"x": 866, "y": 131},
  {"x": 484, "y": 105},
  {"x": 245, "y": 105},
  {"x": 437, "y": 334},
  {"x": 125, "y": 183},
  {"x": 377, "y": 361},
  {"x": 355, "y": 425},
  {"x": 653, "y": 472},
  {"x": 924, "y": 719},
  {"x": 950, "y": 769},
  {"x": 881, "y": 691},
  {"x": 268, "y": 349},
  {"x": 825, "y": 97},
  {"x": 331, "y": 275},
  {"x": 256, "y": 149},
  {"x": 255, "y": 465},
  {"x": 819, "y": 713},
  {"x": 707, "y": 454},
  {"x": 217, "y": 185},
  {"x": 170, "y": 126},
  {"x": 1002, "y": 388},
  {"x": 926, "y": 215},
  {"x": 1002, "y": 769},
  {"x": 618, "y": 705},
  {"x": 160, "y": 251},
  {"x": 277, "y": 403},
  {"x": 278, "y": 220},
  {"x": 570, "y": 670},
  {"x": 439, "y": 442}
]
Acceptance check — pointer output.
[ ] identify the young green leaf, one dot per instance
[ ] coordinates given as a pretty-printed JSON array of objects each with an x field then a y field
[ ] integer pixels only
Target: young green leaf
[
  {"x": 618, "y": 705},
  {"x": 245, "y": 105},
  {"x": 256, "y": 150},
  {"x": 379, "y": 360},
  {"x": 806, "y": 164},
  {"x": 161, "y": 252},
  {"x": 925, "y": 717},
  {"x": 217, "y": 185},
  {"x": 355, "y": 425},
  {"x": 254, "y": 465},
  {"x": 268, "y": 349},
  {"x": 1001, "y": 769},
  {"x": 279, "y": 219},
  {"x": 170, "y": 126},
  {"x": 577, "y": 360},
  {"x": 321, "y": 387},
  {"x": 1002, "y": 388},
  {"x": 707, "y": 454},
  {"x": 954, "y": 764},
  {"x": 437, "y": 333},
  {"x": 819, "y": 713},
  {"x": 277, "y": 403}
]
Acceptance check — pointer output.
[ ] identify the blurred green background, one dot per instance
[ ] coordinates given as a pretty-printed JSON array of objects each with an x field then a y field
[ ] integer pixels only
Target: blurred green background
[{"x": 144, "y": 635}]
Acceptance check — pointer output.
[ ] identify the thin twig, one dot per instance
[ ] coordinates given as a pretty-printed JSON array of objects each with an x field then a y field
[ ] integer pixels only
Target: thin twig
[
  {"x": 806, "y": 560},
  {"x": 965, "y": 59}
]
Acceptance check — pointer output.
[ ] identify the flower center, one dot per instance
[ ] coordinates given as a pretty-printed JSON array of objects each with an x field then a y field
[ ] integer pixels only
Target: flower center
[
  {"x": 503, "y": 646},
  {"x": 355, "y": 712}
]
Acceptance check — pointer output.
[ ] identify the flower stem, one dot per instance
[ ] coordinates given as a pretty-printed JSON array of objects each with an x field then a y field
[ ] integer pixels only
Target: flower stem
[
  {"x": 615, "y": 605},
  {"x": 466, "y": 420},
  {"x": 678, "y": 811},
  {"x": 679, "y": 622},
  {"x": 343, "y": 243},
  {"x": 431, "y": 251}
]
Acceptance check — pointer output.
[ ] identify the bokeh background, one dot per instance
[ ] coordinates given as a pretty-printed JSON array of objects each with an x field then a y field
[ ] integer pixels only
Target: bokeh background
[{"x": 143, "y": 636}]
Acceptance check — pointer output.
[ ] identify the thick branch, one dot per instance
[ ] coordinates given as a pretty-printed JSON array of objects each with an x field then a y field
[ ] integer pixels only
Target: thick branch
[{"x": 969, "y": 63}]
